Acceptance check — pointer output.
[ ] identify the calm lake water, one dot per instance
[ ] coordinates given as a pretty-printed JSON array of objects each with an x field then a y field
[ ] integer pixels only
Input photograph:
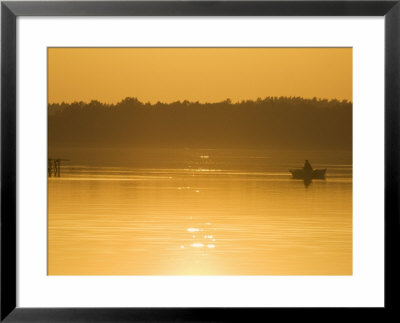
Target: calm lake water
[{"x": 201, "y": 212}]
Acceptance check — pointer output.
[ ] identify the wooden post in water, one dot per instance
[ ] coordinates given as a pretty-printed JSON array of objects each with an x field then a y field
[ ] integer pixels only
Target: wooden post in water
[
  {"x": 49, "y": 167},
  {"x": 54, "y": 166},
  {"x": 57, "y": 167}
]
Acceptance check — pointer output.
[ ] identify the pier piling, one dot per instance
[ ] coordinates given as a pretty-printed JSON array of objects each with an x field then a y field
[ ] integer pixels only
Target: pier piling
[{"x": 54, "y": 167}]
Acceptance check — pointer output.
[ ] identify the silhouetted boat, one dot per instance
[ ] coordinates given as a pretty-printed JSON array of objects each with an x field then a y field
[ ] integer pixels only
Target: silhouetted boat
[{"x": 307, "y": 172}]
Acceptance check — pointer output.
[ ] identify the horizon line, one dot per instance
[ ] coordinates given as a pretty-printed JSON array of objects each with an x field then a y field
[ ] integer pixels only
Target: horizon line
[{"x": 227, "y": 100}]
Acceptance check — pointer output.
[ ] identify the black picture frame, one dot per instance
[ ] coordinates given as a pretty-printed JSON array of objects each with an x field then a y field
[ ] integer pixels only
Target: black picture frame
[{"x": 11, "y": 10}]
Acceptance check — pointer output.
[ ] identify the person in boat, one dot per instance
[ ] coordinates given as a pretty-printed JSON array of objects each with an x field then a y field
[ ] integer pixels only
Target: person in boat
[{"x": 308, "y": 170}]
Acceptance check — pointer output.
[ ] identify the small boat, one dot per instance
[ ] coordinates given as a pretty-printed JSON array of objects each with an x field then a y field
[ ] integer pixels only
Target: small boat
[{"x": 308, "y": 173}]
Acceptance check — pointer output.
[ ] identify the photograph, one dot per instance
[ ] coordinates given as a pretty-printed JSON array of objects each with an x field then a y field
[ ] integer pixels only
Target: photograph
[{"x": 221, "y": 161}]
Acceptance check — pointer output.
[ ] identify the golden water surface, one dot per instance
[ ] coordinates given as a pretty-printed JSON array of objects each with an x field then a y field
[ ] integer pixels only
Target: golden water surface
[{"x": 213, "y": 214}]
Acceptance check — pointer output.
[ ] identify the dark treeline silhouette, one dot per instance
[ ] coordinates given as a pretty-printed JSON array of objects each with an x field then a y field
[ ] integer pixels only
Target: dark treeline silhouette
[{"x": 273, "y": 122}]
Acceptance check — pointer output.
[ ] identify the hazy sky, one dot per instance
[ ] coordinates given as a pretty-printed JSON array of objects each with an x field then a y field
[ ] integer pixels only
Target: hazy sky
[{"x": 197, "y": 74}]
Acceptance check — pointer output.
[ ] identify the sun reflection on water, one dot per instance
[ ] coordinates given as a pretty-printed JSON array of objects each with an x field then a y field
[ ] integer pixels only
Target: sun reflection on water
[{"x": 236, "y": 225}]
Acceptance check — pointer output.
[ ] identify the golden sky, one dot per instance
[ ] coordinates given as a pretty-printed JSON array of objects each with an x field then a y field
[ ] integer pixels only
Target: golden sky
[{"x": 197, "y": 74}]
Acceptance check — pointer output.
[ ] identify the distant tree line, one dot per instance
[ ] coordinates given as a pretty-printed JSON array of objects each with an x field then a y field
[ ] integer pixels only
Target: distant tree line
[{"x": 272, "y": 122}]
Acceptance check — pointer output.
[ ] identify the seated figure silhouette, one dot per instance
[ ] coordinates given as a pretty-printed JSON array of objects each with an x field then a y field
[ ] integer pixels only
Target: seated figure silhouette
[{"x": 307, "y": 169}]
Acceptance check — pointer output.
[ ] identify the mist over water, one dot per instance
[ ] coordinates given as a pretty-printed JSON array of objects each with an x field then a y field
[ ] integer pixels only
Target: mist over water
[{"x": 199, "y": 212}]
